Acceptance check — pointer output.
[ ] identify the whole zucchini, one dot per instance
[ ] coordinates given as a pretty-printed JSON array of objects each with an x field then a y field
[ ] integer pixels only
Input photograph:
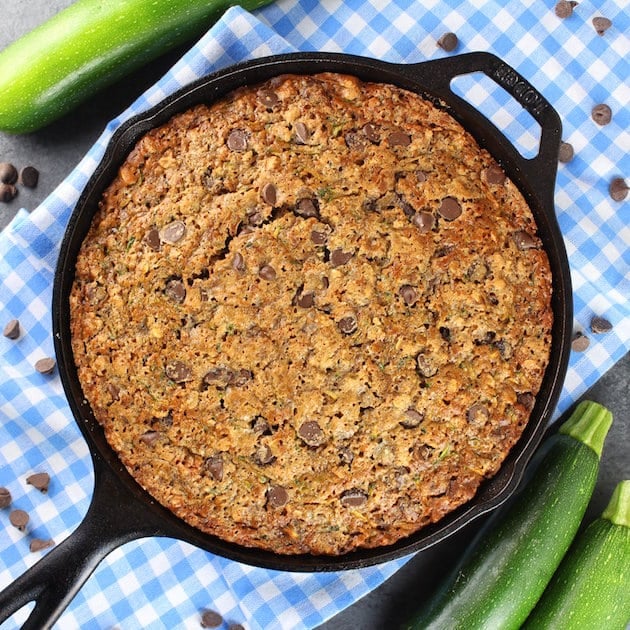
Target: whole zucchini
[
  {"x": 89, "y": 45},
  {"x": 591, "y": 588},
  {"x": 509, "y": 564}
]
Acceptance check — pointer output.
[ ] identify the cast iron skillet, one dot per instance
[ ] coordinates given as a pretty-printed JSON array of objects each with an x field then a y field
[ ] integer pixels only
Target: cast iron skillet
[{"x": 121, "y": 510}]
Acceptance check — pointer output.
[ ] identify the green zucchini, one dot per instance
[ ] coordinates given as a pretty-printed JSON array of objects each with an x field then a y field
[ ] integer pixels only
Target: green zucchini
[
  {"x": 90, "y": 45},
  {"x": 507, "y": 567},
  {"x": 591, "y": 588}
]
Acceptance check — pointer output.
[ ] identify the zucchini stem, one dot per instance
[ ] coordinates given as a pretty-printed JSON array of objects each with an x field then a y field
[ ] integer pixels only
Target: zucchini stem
[
  {"x": 589, "y": 423},
  {"x": 618, "y": 509}
]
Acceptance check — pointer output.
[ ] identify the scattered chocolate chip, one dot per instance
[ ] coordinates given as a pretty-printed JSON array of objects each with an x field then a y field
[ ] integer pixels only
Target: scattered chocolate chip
[
  {"x": 178, "y": 371},
  {"x": 150, "y": 438},
  {"x": 305, "y": 299},
  {"x": 173, "y": 232},
  {"x": 448, "y": 42},
  {"x": 237, "y": 140},
  {"x": 564, "y": 9},
  {"x": 600, "y": 325},
  {"x": 505, "y": 349},
  {"x": 263, "y": 455},
  {"x": 319, "y": 238},
  {"x": 421, "y": 176},
  {"x": 408, "y": 294},
  {"x": 355, "y": 141},
  {"x": 307, "y": 207},
  {"x": 527, "y": 399},
  {"x": 268, "y": 98},
  {"x": 338, "y": 257},
  {"x": 19, "y": 519},
  {"x": 8, "y": 173},
  {"x": 254, "y": 216},
  {"x": 152, "y": 239},
  {"x": 267, "y": 272},
  {"x": 450, "y": 209},
  {"x": 241, "y": 377},
  {"x": 618, "y": 189},
  {"x": 494, "y": 175},
  {"x": 236, "y": 626},
  {"x": 565, "y": 152},
  {"x": 5, "y": 497},
  {"x": 302, "y": 134},
  {"x": 219, "y": 377},
  {"x": 424, "y": 221},
  {"x": 12, "y": 329},
  {"x": 398, "y": 139},
  {"x": 353, "y": 498},
  {"x": 413, "y": 418},
  {"x": 175, "y": 290},
  {"x": 269, "y": 194},
  {"x": 580, "y": 342},
  {"x": 524, "y": 240},
  {"x": 214, "y": 465},
  {"x": 311, "y": 433},
  {"x": 39, "y": 480},
  {"x": 39, "y": 544},
  {"x": 425, "y": 366},
  {"x": 445, "y": 333},
  {"x": 346, "y": 456},
  {"x": 602, "y": 114},
  {"x": 260, "y": 425},
  {"x": 601, "y": 25},
  {"x": 29, "y": 176},
  {"x": 371, "y": 133},
  {"x": 211, "y": 619},
  {"x": 277, "y": 496},
  {"x": 238, "y": 262},
  {"x": 45, "y": 365},
  {"x": 348, "y": 325},
  {"x": 8, "y": 192},
  {"x": 477, "y": 414}
]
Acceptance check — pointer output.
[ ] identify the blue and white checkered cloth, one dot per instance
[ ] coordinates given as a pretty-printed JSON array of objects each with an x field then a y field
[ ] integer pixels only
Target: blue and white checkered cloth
[{"x": 157, "y": 583}]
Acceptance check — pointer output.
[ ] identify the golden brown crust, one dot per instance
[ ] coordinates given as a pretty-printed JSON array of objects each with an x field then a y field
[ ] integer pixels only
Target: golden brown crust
[{"x": 312, "y": 317}]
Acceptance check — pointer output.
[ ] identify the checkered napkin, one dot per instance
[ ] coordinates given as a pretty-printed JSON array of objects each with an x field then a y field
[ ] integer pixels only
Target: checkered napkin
[{"x": 160, "y": 583}]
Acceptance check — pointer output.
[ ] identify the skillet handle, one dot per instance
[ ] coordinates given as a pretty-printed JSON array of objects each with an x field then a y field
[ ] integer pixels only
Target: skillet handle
[
  {"x": 111, "y": 521},
  {"x": 438, "y": 75}
]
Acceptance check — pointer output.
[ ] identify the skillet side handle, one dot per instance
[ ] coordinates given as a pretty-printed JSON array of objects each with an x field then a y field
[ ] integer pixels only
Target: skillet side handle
[
  {"x": 542, "y": 168},
  {"x": 52, "y": 583}
]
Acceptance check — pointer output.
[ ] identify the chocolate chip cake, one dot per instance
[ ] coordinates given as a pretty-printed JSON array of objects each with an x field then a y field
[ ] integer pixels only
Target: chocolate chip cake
[{"x": 312, "y": 317}]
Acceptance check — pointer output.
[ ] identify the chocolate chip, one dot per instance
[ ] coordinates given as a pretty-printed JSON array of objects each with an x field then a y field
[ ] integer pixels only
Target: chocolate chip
[
  {"x": 524, "y": 240},
  {"x": 267, "y": 272},
  {"x": 448, "y": 42},
  {"x": 527, "y": 399},
  {"x": 8, "y": 192},
  {"x": 408, "y": 294},
  {"x": 29, "y": 176},
  {"x": 260, "y": 425},
  {"x": 602, "y": 114},
  {"x": 618, "y": 189},
  {"x": 319, "y": 238},
  {"x": 398, "y": 139},
  {"x": 254, "y": 216},
  {"x": 311, "y": 433},
  {"x": 505, "y": 349},
  {"x": 236, "y": 626},
  {"x": 173, "y": 232},
  {"x": 19, "y": 519},
  {"x": 413, "y": 418},
  {"x": 5, "y": 497},
  {"x": 346, "y": 456},
  {"x": 348, "y": 325},
  {"x": 445, "y": 333},
  {"x": 580, "y": 342},
  {"x": 269, "y": 194},
  {"x": 425, "y": 366},
  {"x": 424, "y": 221},
  {"x": 565, "y": 152},
  {"x": 39, "y": 544},
  {"x": 39, "y": 480},
  {"x": 421, "y": 176},
  {"x": 241, "y": 377},
  {"x": 268, "y": 98},
  {"x": 45, "y": 365},
  {"x": 152, "y": 239},
  {"x": 302, "y": 134},
  {"x": 219, "y": 377},
  {"x": 211, "y": 619},
  {"x": 175, "y": 290},
  {"x": 371, "y": 133},
  {"x": 494, "y": 175},
  {"x": 307, "y": 207},
  {"x": 263, "y": 455},
  {"x": 355, "y": 141},
  {"x": 477, "y": 414},
  {"x": 178, "y": 371},
  {"x": 600, "y": 325},
  {"x": 564, "y": 9},
  {"x": 306, "y": 299},
  {"x": 237, "y": 140},
  {"x": 238, "y": 262},
  {"x": 12, "y": 329},
  {"x": 338, "y": 257},
  {"x": 353, "y": 498},
  {"x": 277, "y": 496},
  {"x": 601, "y": 25},
  {"x": 150, "y": 438},
  {"x": 214, "y": 465},
  {"x": 450, "y": 209},
  {"x": 8, "y": 173}
]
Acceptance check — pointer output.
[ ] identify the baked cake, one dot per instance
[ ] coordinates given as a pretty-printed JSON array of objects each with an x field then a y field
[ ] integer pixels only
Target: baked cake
[{"x": 313, "y": 316}]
